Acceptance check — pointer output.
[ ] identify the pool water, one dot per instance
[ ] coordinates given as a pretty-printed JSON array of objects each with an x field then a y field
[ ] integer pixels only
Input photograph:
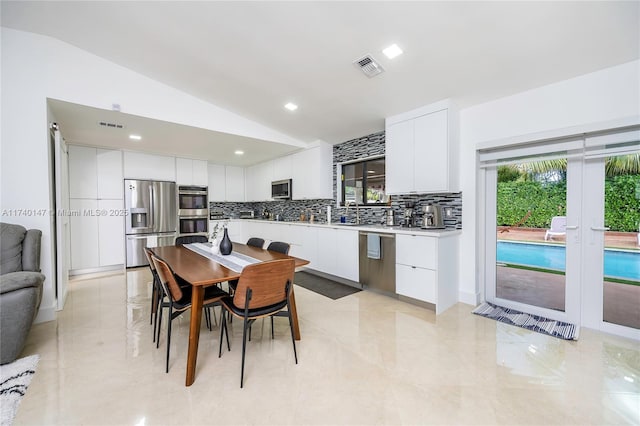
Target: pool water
[{"x": 617, "y": 263}]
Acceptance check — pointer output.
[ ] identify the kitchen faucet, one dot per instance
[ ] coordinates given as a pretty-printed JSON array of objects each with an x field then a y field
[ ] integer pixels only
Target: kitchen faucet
[{"x": 357, "y": 211}]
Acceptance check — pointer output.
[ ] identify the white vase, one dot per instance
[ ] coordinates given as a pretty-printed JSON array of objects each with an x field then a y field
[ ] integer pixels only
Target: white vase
[{"x": 215, "y": 246}]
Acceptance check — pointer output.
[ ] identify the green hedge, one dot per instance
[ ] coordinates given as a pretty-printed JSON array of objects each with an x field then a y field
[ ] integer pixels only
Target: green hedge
[
  {"x": 544, "y": 201},
  {"x": 622, "y": 207}
]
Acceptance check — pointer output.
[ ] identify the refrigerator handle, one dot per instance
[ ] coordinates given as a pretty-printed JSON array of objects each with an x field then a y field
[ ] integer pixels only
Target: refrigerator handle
[{"x": 151, "y": 208}]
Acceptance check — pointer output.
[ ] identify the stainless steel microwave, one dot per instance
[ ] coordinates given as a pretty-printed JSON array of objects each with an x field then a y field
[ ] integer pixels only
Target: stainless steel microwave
[{"x": 281, "y": 189}]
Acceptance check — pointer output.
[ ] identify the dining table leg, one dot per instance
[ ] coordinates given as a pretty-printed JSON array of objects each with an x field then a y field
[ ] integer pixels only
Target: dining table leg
[
  {"x": 197, "y": 298},
  {"x": 294, "y": 315}
]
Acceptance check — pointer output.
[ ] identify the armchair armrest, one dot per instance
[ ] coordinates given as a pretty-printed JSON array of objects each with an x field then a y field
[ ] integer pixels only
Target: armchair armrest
[
  {"x": 22, "y": 279},
  {"x": 31, "y": 250}
]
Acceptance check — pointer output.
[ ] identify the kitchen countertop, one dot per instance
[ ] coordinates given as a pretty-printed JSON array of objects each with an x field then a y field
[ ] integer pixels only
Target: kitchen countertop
[{"x": 366, "y": 227}]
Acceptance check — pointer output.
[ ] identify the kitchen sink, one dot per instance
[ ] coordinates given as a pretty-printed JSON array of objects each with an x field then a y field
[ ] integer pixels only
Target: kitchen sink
[{"x": 348, "y": 224}]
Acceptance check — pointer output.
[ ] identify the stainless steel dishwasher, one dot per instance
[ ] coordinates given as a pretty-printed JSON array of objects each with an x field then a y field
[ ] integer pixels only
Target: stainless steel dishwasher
[{"x": 377, "y": 273}]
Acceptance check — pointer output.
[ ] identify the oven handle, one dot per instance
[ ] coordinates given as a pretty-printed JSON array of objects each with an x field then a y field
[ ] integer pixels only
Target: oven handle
[{"x": 192, "y": 193}]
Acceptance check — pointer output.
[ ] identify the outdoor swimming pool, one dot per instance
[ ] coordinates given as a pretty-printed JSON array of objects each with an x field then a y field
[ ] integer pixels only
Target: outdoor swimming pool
[{"x": 618, "y": 264}]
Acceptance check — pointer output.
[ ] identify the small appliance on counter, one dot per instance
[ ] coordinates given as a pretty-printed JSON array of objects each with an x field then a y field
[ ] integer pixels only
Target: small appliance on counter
[
  {"x": 217, "y": 214},
  {"x": 432, "y": 217},
  {"x": 409, "y": 220},
  {"x": 390, "y": 218},
  {"x": 246, "y": 214}
]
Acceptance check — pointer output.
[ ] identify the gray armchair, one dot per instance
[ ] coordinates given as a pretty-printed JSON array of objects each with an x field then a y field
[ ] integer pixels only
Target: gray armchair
[{"x": 20, "y": 287}]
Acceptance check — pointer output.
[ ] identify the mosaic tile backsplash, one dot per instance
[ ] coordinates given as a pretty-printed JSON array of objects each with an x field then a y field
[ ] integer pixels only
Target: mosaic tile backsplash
[{"x": 367, "y": 146}]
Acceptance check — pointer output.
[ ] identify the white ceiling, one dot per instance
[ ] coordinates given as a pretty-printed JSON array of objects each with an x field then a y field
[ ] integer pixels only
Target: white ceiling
[{"x": 253, "y": 57}]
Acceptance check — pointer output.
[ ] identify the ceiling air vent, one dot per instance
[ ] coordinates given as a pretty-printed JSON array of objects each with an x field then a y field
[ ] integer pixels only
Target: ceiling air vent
[
  {"x": 369, "y": 66},
  {"x": 111, "y": 125}
]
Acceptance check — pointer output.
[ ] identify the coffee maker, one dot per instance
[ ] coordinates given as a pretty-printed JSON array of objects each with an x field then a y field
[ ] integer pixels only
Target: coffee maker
[
  {"x": 409, "y": 220},
  {"x": 432, "y": 217}
]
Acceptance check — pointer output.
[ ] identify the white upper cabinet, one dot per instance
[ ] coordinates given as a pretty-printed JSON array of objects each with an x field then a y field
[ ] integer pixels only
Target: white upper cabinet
[
  {"x": 282, "y": 168},
  {"x": 431, "y": 153},
  {"x": 226, "y": 183},
  {"x": 422, "y": 150},
  {"x": 200, "y": 173},
  {"x": 147, "y": 166},
  {"x": 399, "y": 150},
  {"x": 217, "y": 182},
  {"x": 312, "y": 172},
  {"x": 258, "y": 180},
  {"x": 83, "y": 176},
  {"x": 109, "y": 170},
  {"x": 191, "y": 172},
  {"x": 234, "y": 183}
]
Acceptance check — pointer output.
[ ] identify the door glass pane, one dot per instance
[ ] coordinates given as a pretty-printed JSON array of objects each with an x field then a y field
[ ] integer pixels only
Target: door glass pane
[
  {"x": 531, "y": 220},
  {"x": 621, "y": 287}
]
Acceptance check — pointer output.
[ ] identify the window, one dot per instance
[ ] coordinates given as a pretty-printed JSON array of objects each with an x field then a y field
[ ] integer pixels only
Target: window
[{"x": 363, "y": 182}]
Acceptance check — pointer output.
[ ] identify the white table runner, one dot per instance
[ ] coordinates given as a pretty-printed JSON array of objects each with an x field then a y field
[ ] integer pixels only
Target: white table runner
[{"x": 234, "y": 261}]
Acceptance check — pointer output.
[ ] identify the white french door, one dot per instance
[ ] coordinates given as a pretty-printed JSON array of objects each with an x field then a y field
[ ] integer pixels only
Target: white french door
[
  {"x": 528, "y": 286},
  {"x": 611, "y": 283},
  {"x": 577, "y": 279}
]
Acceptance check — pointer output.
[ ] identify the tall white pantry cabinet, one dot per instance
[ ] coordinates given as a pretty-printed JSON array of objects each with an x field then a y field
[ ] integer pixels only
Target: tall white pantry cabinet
[{"x": 95, "y": 198}]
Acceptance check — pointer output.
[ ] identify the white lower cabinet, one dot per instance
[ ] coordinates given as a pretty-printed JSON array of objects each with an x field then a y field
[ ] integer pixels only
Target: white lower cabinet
[
  {"x": 337, "y": 253},
  {"x": 329, "y": 250},
  {"x": 427, "y": 269},
  {"x": 111, "y": 232},
  {"x": 97, "y": 233},
  {"x": 417, "y": 283},
  {"x": 84, "y": 234}
]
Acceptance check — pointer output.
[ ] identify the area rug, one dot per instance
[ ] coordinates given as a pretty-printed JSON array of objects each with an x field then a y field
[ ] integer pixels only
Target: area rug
[
  {"x": 14, "y": 381},
  {"x": 542, "y": 325},
  {"x": 323, "y": 286}
]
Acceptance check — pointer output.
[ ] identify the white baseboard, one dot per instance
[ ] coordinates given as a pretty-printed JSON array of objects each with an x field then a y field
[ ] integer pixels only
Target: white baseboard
[
  {"x": 469, "y": 298},
  {"x": 46, "y": 313}
]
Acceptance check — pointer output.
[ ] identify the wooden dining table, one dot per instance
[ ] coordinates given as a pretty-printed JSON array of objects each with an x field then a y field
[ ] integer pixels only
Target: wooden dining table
[{"x": 201, "y": 272}]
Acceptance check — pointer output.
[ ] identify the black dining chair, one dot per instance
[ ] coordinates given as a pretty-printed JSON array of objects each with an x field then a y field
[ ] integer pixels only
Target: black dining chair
[
  {"x": 263, "y": 290},
  {"x": 179, "y": 298},
  {"x": 158, "y": 295},
  {"x": 188, "y": 239},
  {"x": 255, "y": 242},
  {"x": 279, "y": 246}
]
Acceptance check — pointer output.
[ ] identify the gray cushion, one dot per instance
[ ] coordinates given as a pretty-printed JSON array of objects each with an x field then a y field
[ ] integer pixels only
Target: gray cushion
[
  {"x": 21, "y": 279},
  {"x": 11, "y": 250}
]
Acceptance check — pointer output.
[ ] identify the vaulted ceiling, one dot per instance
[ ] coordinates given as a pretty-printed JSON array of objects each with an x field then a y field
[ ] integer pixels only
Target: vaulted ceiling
[{"x": 253, "y": 57}]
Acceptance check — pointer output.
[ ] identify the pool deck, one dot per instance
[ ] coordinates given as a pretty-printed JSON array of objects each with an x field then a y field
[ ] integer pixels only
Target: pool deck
[
  {"x": 621, "y": 303},
  {"x": 621, "y": 240}
]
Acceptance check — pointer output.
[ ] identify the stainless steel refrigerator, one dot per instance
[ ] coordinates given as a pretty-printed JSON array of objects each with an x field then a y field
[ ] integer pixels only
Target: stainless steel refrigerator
[{"x": 151, "y": 217}]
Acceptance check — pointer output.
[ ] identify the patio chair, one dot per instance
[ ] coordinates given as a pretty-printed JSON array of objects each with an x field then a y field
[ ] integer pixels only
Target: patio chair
[{"x": 558, "y": 227}]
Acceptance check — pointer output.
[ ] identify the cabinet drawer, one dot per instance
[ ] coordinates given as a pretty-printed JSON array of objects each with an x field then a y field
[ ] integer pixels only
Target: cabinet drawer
[
  {"x": 415, "y": 250},
  {"x": 417, "y": 283}
]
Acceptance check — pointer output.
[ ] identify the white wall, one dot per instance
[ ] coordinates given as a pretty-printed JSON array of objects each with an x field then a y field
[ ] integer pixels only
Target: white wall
[
  {"x": 35, "y": 68},
  {"x": 606, "y": 95}
]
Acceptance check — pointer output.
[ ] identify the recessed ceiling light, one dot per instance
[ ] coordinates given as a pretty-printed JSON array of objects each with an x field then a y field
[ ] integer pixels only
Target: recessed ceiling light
[
  {"x": 238, "y": 152},
  {"x": 392, "y": 51},
  {"x": 135, "y": 137},
  {"x": 291, "y": 106}
]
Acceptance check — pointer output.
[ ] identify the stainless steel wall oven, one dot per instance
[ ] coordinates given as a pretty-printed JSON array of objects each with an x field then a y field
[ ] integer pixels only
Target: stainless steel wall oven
[{"x": 193, "y": 210}]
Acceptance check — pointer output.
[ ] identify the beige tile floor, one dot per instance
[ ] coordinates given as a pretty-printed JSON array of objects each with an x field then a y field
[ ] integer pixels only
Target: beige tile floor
[{"x": 363, "y": 359}]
